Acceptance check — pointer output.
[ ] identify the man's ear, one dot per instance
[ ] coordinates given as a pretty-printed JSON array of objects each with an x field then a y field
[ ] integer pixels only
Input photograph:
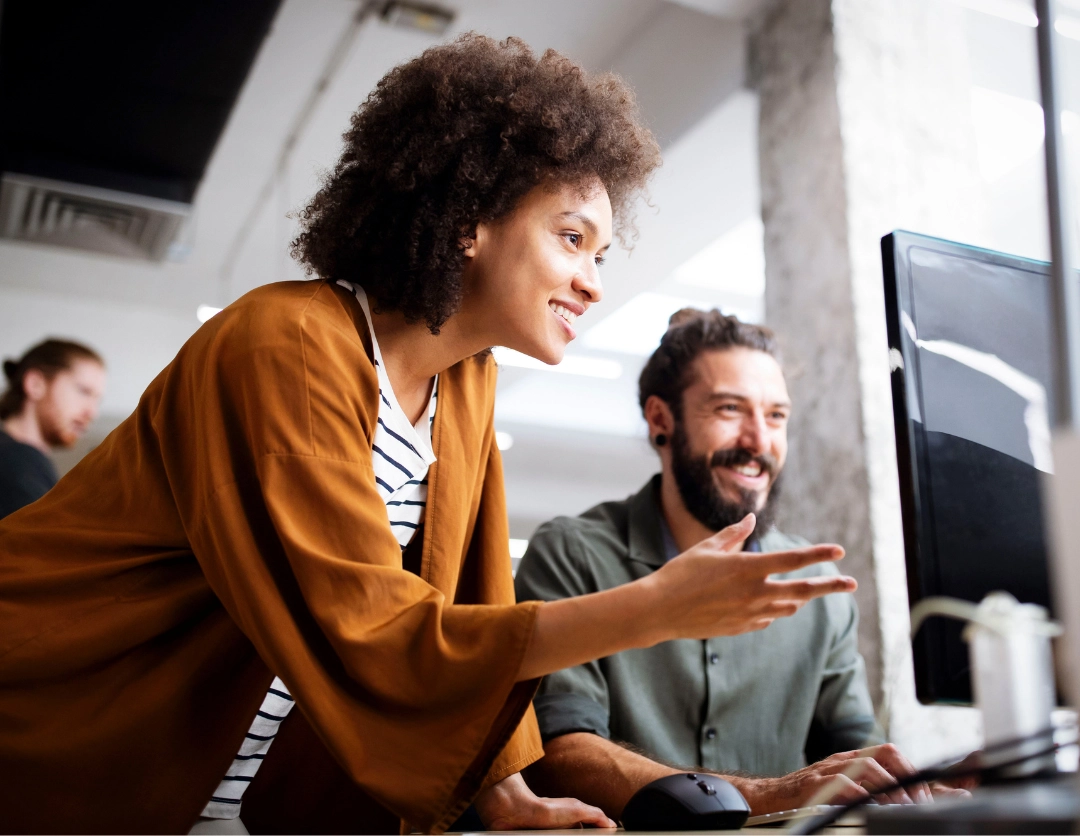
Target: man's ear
[
  {"x": 35, "y": 385},
  {"x": 659, "y": 417}
]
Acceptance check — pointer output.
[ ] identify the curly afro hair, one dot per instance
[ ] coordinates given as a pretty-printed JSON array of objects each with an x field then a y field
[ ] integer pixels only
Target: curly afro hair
[{"x": 454, "y": 138}]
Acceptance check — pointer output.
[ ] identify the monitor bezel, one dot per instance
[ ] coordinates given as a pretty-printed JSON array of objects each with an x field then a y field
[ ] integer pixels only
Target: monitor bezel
[{"x": 920, "y": 565}]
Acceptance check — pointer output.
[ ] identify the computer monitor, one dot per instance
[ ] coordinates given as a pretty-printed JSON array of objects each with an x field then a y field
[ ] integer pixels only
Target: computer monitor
[{"x": 970, "y": 350}]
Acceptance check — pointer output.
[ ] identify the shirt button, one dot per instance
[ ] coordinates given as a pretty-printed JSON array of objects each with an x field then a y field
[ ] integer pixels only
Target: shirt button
[
  {"x": 710, "y": 734},
  {"x": 714, "y": 658}
]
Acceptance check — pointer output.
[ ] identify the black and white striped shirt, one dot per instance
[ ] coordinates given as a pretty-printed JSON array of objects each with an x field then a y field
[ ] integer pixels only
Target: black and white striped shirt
[{"x": 401, "y": 455}]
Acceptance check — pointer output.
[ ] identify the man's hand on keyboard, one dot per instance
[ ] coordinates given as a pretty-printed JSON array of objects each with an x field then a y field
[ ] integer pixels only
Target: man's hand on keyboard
[{"x": 839, "y": 779}]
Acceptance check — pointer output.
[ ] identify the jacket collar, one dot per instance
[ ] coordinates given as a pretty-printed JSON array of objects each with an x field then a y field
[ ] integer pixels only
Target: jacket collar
[{"x": 646, "y": 539}]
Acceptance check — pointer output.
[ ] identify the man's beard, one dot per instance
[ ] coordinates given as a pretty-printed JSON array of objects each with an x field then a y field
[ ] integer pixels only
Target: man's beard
[
  {"x": 701, "y": 496},
  {"x": 56, "y": 435},
  {"x": 56, "y": 432}
]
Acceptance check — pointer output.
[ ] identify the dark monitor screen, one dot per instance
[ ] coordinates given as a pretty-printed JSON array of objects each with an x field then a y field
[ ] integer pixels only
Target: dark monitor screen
[{"x": 970, "y": 351}]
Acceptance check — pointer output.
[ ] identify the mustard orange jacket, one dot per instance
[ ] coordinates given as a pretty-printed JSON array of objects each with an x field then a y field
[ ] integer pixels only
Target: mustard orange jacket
[{"x": 230, "y": 530}]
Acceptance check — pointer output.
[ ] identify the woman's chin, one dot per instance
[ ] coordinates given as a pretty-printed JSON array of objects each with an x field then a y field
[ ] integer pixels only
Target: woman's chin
[
  {"x": 551, "y": 356},
  {"x": 545, "y": 352}
]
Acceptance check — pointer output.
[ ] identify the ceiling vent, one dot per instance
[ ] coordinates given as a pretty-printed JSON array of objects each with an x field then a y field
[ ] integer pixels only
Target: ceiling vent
[{"x": 89, "y": 218}]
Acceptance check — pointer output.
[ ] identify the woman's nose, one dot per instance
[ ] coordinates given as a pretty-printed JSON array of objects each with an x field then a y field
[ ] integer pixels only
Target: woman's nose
[{"x": 587, "y": 283}]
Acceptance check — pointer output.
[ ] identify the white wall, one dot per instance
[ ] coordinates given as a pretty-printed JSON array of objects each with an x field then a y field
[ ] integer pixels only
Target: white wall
[{"x": 136, "y": 341}]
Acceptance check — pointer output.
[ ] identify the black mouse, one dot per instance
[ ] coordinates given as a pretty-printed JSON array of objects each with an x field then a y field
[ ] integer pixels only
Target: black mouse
[{"x": 687, "y": 801}]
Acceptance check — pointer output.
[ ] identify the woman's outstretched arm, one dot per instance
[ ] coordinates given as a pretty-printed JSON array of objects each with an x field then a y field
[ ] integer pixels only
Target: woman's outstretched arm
[{"x": 710, "y": 590}]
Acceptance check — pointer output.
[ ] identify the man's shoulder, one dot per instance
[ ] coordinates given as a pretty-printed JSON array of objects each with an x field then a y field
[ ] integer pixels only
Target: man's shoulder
[
  {"x": 15, "y": 453},
  {"x": 574, "y": 555},
  {"x": 604, "y": 527},
  {"x": 26, "y": 474}
]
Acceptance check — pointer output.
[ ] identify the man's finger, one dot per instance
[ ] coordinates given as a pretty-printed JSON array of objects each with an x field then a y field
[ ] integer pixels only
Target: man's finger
[
  {"x": 840, "y": 757},
  {"x": 845, "y": 792},
  {"x": 784, "y": 609},
  {"x": 732, "y": 537},
  {"x": 871, "y": 774},
  {"x": 900, "y": 768},
  {"x": 942, "y": 791},
  {"x": 894, "y": 797},
  {"x": 806, "y": 589},
  {"x": 788, "y": 561}
]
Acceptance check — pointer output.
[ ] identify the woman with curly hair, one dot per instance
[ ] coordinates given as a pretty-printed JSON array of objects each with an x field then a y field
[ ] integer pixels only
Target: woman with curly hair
[{"x": 306, "y": 508}]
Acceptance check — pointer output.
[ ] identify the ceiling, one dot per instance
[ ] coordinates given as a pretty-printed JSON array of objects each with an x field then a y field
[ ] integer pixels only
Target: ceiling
[
  {"x": 576, "y": 440},
  {"x": 315, "y": 65},
  {"x": 125, "y": 95}
]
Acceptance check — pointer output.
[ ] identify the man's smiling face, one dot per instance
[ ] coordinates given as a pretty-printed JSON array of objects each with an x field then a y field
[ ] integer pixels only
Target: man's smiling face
[{"x": 731, "y": 442}]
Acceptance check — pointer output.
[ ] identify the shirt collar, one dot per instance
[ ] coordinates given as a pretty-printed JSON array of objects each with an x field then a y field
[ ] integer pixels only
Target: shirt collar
[
  {"x": 646, "y": 526},
  {"x": 671, "y": 548},
  {"x": 419, "y": 434}
]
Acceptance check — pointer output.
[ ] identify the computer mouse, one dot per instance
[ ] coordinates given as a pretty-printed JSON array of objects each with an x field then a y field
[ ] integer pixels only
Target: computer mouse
[{"x": 687, "y": 801}]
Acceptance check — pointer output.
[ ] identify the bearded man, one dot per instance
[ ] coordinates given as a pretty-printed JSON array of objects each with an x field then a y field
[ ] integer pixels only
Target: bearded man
[
  {"x": 53, "y": 394},
  {"x": 755, "y": 708}
]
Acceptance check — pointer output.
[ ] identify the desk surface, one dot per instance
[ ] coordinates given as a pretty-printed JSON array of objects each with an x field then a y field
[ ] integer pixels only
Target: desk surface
[
  {"x": 846, "y": 831},
  {"x": 1040, "y": 806}
]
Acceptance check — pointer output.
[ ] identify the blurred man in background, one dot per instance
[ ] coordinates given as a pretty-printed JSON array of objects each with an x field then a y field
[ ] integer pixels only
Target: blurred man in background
[{"x": 53, "y": 394}]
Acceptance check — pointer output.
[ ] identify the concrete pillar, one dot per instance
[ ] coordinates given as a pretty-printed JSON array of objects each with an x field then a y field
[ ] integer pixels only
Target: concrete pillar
[{"x": 865, "y": 127}]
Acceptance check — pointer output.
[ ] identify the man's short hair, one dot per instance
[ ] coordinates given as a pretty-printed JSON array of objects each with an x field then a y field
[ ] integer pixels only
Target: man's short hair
[
  {"x": 49, "y": 358},
  {"x": 691, "y": 332}
]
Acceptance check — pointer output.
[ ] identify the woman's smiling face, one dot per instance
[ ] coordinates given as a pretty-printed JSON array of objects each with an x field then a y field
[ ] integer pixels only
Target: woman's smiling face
[{"x": 530, "y": 275}]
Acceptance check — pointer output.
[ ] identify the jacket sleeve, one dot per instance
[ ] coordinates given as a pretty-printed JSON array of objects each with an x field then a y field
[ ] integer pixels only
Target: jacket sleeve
[
  {"x": 575, "y": 699},
  {"x": 269, "y": 422},
  {"x": 487, "y": 578}
]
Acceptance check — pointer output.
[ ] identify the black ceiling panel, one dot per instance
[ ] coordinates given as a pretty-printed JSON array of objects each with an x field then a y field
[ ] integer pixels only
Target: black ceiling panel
[{"x": 124, "y": 95}]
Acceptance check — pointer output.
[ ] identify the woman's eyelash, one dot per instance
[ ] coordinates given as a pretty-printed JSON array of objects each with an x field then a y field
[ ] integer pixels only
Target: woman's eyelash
[{"x": 575, "y": 238}]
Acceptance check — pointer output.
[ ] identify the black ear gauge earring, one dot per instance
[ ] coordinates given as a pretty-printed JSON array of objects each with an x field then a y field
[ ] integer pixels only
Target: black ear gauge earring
[{"x": 660, "y": 440}]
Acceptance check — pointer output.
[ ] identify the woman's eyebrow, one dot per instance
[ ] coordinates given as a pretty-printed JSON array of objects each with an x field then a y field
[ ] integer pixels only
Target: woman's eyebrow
[{"x": 587, "y": 221}]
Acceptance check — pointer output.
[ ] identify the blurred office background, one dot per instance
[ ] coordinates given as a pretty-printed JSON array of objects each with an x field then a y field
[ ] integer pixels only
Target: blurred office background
[{"x": 795, "y": 133}]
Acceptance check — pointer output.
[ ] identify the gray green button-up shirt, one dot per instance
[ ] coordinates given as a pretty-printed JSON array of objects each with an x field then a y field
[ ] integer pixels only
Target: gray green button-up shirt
[{"x": 762, "y": 703}]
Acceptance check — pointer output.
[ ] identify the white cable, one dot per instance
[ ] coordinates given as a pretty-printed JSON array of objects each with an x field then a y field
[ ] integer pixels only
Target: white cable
[
  {"x": 999, "y": 612},
  {"x": 941, "y": 605}
]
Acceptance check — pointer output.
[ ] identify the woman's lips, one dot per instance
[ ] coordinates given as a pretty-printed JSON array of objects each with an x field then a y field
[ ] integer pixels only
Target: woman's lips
[{"x": 566, "y": 325}]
